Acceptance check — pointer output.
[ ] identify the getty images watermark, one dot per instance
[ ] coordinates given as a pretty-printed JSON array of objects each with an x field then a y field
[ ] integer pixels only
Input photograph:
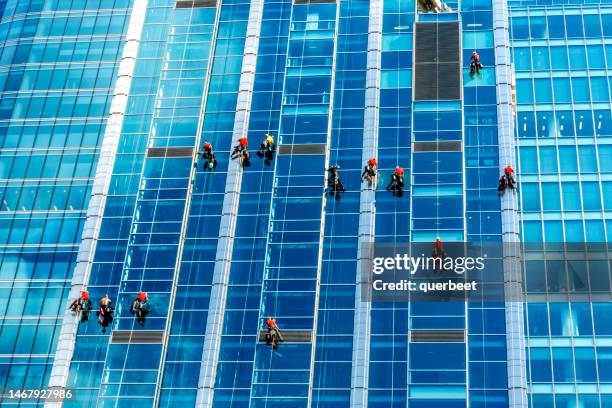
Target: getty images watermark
[
  {"x": 438, "y": 262},
  {"x": 462, "y": 271}
]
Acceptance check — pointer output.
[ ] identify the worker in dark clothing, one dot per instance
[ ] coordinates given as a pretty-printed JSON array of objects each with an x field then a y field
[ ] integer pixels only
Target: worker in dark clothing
[
  {"x": 434, "y": 6},
  {"x": 501, "y": 188},
  {"x": 438, "y": 250},
  {"x": 267, "y": 148},
  {"x": 509, "y": 174},
  {"x": 141, "y": 307},
  {"x": 241, "y": 147},
  {"x": 273, "y": 334},
  {"x": 369, "y": 171},
  {"x": 210, "y": 161},
  {"x": 240, "y": 151},
  {"x": 475, "y": 65},
  {"x": 397, "y": 181},
  {"x": 82, "y": 306},
  {"x": 438, "y": 254},
  {"x": 105, "y": 313},
  {"x": 506, "y": 181},
  {"x": 333, "y": 181}
]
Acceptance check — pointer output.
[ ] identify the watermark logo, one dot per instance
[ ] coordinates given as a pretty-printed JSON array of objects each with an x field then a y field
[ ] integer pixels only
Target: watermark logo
[{"x": 497, "y": 272}]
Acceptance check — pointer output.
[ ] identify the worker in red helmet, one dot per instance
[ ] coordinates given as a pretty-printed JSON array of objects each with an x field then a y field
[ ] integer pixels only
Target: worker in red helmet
[
  {"x": 475, "y": 65},
  {"x": 210, "y": 161},
  {"x": 82, "y": 306},
  {"x": 273, "y": 334},
  {"x": 141, "y": 307},
  {"x": 438, "y": 254},
  {"x": 240, "y": 151},
  {"x": 397, "y": 181},
  {"x": 369, "y": 171},
  {"x": 509, "y": 175}
]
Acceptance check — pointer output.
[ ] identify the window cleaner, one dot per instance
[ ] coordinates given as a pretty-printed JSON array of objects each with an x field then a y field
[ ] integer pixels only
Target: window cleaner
[
  {"x": 273, "y": 334},
  {"x": 475, "y": 65},
  {"x": 397, "y": 181},
  {"x": 241, "y": 152},
  {"x": 438, "y": 253},
  {"x": 434, "y": 6},
  {"x": 210, "y": 161},
  {"x": 266, "y": 149},
  {"x": 506, "y": 180},
  {"x": 501, "y": 187},
  {"x": 105, "y": 313},
  {"x": 369, "y": 171},
  {"x": 509, "y": 174},
  {"x": 141, "y": 307},
  {"x": 82, "y": 306},
  {"x": 333, "y": 182}
]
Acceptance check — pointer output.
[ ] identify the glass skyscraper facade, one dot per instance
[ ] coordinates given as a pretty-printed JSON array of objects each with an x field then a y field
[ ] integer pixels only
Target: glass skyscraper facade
[
  {"x": 105, "y": 106},
  {"x": 561, "y": 55},
  {"x": 58, "y": 67}
]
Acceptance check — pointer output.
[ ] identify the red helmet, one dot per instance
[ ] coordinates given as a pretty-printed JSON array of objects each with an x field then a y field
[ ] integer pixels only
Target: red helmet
[
  {"x": 207, "y": 145},
  {"x": 399, "y": 171},
  {"x": 372, "y": 162},
  {"x": 85, "y": 295},
  {"x": 438, "y": 243},
  {"x": 270, "y": 322},
  {"x": 509, "y": 169},
  {"x": 142, "y": 296}
]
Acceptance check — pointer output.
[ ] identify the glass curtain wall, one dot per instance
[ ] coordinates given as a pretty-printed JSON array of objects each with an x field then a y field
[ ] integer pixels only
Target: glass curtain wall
[
  {"x": 291, "y": 275},
  {"x": 563, "y": 131},
  {"x": 334, "y": 335},
  {"x": 389, "y": 320},
  {"x": 58, "y": 65},
  {"x": 242, "y": 325}
]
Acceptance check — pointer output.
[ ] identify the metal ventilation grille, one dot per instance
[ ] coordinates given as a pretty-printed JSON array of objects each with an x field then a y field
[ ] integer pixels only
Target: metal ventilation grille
[
  {"x": 195, "y": 3},
  {"x": 437, "y": 336},
  {"x": 302, "y": 149},
  {"x": 170, "y": 152},
  {"x": 290, "y": 336},
  {"x": 137, "y": 337},
  {"x": 437, "y": 68},
  {"x": 437, "y": 146}
]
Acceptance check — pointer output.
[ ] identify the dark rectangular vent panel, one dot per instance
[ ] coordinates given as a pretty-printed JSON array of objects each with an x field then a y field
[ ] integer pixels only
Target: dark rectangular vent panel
[
  {"x": 437, "y": 336},
  {"x": 170, "y": 152},
  {"x": 302, "y": 149},
  {"x": 437, "y": 146},
  {"x": 195, "y": 3},
  {"x": 290, "y": 336},
  {"x": 437, "y": 68},
  {"x": 137, "y": 337}
]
